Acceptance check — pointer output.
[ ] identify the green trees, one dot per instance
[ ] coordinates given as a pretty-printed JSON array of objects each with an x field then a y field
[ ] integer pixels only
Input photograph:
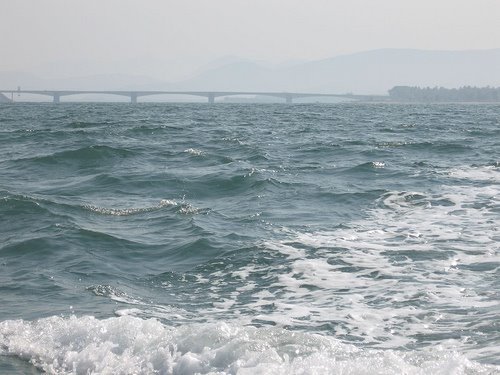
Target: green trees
[{"x": 441, "y": 94}]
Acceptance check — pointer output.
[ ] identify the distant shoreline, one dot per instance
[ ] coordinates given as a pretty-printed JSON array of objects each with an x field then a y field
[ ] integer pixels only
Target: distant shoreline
[{"x": 464, "y": 94}]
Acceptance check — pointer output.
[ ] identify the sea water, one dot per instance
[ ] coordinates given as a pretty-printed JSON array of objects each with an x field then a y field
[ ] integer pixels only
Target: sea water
[{"x": 249, "y": 239}]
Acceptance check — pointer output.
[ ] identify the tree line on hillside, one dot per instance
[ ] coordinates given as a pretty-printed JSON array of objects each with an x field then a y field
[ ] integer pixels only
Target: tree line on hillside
[{"x": 441, "y": 94}]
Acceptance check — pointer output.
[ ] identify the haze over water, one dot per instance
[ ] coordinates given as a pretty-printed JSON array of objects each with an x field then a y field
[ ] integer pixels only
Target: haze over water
[{"x": 273, "y": 238}]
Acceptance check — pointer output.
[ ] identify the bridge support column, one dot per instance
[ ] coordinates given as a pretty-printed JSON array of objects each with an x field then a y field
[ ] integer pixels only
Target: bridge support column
[
  {"x": 56, "y": 98},
  {"x": 211, "y": 98},
  {"x": 289, "y": 99},
  {"x": 133, "y": 97}
]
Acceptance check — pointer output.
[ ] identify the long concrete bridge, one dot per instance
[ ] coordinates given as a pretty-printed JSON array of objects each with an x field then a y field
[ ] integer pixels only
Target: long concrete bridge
[{"x": 210, "y": 95}]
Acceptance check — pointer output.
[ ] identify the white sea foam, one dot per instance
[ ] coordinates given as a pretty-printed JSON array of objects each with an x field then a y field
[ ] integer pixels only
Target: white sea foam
[
  {"x": 485, "y": 173},
  {"x": 406, "y": 270},
  {"x": 130, "y": 211},
  {"x": 194, "y": 152},
  {"x": 181, "y": 207},
  {"x": 128, "y": 345}
]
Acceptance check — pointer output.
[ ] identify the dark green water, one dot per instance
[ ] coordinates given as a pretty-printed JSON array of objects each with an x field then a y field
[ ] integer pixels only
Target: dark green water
[{"x": 164, "y": 238}]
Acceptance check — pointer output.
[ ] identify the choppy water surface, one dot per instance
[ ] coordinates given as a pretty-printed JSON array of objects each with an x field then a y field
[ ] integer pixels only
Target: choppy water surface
[{"x": 351, "y": 239}]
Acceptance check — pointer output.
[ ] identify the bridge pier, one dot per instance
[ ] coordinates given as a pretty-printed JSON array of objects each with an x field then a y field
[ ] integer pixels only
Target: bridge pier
[
  {"x": 211, "y": 98},
  {"x": 133, "y": 97},
  {"x": 56, "y": 98}
]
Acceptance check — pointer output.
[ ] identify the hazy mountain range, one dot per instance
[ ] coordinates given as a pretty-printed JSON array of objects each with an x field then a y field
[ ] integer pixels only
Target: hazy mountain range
[{"x": 371, "y": 72}]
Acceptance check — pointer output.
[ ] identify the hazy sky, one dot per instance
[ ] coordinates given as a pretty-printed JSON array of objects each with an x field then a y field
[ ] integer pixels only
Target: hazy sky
[{"x": 35, "y": 32}]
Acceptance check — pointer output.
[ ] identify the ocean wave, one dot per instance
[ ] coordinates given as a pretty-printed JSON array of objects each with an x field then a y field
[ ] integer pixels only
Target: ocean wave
[
  {"x": 351, "y": 225},
  {"x": 370, "y": 167},
  {"x": 19, "y": 204},
  {"x": 422, "y": 258},
  {"x": 129, "y": 345},
  {"x": 79, "y": 124},
  {"x": 490, "y": 173},
  {"x": 194, "y": 151},
  {"x": 130, "y": 211},
  {"x": 233, "y": 182},
  {"x": 84, "y": 155},
  {"x": 179, "y": 207}
]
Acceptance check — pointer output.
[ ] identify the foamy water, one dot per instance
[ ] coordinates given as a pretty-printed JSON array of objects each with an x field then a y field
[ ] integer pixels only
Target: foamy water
[
  {"x": 128, "y": 345},
  {"x": 269, "y": 239}
]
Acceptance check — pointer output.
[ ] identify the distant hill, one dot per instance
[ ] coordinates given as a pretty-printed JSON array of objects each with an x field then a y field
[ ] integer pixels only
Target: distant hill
[{"x": 371, "y": 72}]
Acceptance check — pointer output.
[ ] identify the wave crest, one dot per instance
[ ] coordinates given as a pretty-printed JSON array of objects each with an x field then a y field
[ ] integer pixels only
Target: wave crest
[
  {"x": 182, "y": 208},
  {"x": 128, "y": 345}
]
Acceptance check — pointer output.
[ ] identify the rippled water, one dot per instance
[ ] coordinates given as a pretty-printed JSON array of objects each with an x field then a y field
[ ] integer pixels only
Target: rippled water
[{"x": 163, "y": 238}]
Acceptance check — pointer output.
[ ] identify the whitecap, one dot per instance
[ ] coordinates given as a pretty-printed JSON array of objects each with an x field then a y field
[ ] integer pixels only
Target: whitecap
[
  {"x": 128, "y": 345},
  {"x": 181, "y": 207},
  {"x": 194, "y": 151}
]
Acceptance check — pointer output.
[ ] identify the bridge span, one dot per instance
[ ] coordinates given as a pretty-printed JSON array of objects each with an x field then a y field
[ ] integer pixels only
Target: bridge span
[{"x": 210, "y": 95}]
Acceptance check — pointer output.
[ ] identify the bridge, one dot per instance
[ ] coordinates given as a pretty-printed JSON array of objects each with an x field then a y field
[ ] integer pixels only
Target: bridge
[{"x": 210, "y": 95}]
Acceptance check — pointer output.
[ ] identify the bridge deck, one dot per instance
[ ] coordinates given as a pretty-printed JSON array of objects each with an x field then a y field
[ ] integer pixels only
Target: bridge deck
[{"x": 211, "y": 95}]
